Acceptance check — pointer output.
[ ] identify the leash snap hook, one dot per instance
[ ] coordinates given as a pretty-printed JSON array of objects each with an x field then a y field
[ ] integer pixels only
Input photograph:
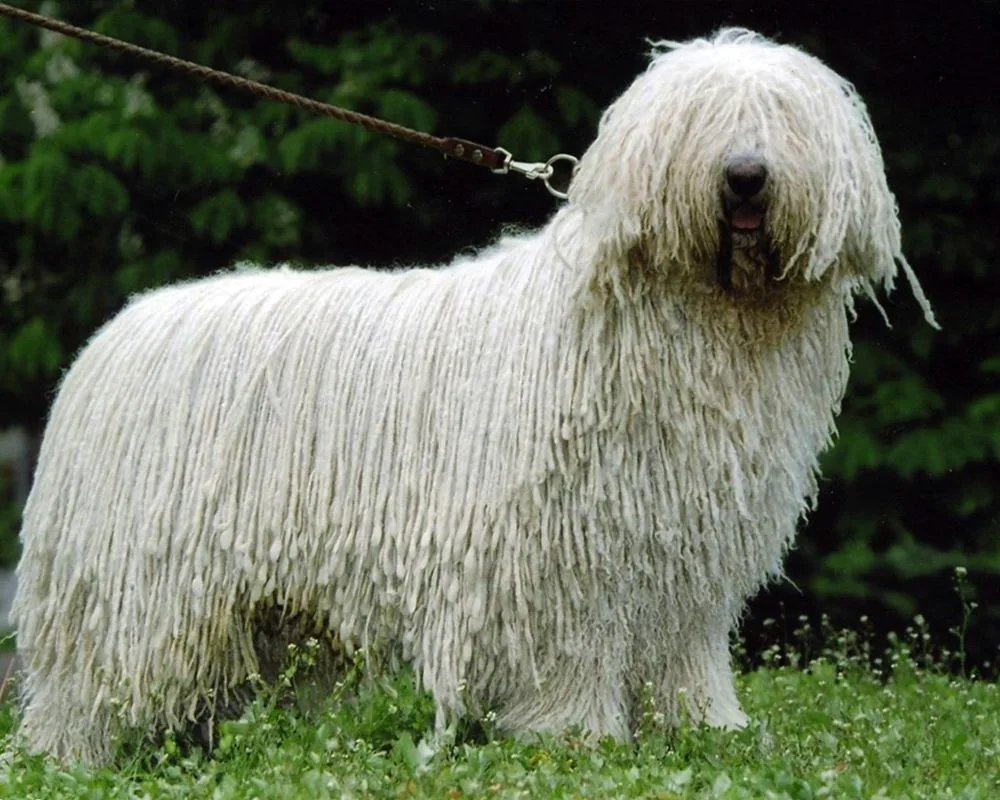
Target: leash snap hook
[{"x": 536, "y": 170}]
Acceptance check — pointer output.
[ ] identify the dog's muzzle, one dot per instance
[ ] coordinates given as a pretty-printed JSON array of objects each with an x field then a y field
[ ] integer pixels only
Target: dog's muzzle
[{"x": 744, "y": 207}]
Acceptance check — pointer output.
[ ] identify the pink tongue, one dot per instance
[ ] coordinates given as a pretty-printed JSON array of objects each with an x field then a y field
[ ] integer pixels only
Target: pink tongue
[{"x": 746, "y": 219}]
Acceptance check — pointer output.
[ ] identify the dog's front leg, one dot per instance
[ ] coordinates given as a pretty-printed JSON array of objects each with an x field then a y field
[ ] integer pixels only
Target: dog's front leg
[{"x": 695, "y": 682}]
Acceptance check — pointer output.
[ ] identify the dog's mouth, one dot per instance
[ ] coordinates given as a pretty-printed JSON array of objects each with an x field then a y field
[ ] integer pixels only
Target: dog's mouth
[
  {"x": 745, "y": 221},
  {"x": 745, "y": 255}
]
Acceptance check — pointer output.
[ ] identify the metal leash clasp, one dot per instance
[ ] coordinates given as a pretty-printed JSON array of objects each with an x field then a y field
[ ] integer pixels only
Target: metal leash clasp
[{"x": 537, "y": 169}]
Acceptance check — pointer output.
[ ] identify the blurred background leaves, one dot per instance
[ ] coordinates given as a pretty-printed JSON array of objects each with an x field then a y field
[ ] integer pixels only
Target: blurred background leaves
[{"x": 116, "y": 177}]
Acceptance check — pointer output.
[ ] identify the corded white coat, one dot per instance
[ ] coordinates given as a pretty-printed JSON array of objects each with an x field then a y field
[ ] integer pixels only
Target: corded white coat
[{"x": 549, "y": 476}]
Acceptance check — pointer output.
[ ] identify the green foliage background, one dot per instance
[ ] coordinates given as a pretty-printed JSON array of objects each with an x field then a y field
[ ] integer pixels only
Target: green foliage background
[{"x": 115, "y": 178}]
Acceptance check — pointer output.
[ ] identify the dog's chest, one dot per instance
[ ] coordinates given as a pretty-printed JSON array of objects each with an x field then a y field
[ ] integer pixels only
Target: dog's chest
[{"x": 723, "y": 446}]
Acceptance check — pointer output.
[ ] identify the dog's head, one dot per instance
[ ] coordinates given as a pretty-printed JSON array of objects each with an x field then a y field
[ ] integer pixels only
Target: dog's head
[{"x": 745, "y": 164}]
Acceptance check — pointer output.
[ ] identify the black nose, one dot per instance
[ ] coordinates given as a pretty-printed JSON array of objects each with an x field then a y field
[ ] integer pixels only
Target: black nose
[{"x": 746, "y": 176}]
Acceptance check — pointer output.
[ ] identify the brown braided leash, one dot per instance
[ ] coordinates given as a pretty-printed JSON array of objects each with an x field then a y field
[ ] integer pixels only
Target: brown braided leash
[{"x": 495, "y": 158}]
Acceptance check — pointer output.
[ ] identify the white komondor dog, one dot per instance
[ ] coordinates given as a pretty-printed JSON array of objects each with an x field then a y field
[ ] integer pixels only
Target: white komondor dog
[{"x": 548, "y": 476}]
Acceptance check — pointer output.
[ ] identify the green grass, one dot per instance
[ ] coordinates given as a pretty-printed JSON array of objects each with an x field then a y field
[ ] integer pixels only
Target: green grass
[{"x": 840, "y": 725}]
